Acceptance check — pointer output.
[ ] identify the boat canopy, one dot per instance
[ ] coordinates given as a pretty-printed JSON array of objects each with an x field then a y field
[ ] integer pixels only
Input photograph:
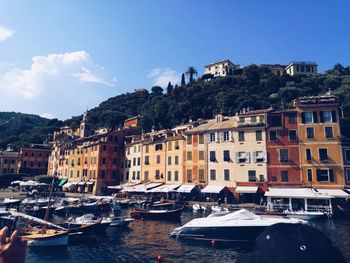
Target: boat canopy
[
  {"x": 165, "y": 188},
  {"x": 186, "y": 188},
  {"x": 213, "y": 189},
  {"x": 309, "y": 193},
  {"x": 337, "y": 193},
  {"x": 246, "y": 189}
]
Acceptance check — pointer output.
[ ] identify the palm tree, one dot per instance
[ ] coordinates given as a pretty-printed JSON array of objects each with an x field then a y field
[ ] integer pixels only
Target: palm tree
[{"x": 191, "y": 72}]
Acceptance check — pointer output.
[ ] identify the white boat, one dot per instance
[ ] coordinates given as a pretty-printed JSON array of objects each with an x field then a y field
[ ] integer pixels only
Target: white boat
[
  {"x": 220, "y": 213},
  {"x": 239, "y": 226},
  {"x": 198, "y": 207},
  {"x": 117, "y": 221},
  {"x": 216, "y": 208},
  {"x": 305, "y": 215}
]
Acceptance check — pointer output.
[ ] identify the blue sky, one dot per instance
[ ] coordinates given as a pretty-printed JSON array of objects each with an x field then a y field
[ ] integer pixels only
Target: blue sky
[{"x": 58, "y": 58}]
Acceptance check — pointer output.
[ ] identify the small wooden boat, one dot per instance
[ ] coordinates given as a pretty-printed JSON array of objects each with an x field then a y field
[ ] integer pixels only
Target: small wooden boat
[
  {"x": 101, "y": 226},
  {"x": 49, "y": 238},
  {"x": 173, "y": 214}
]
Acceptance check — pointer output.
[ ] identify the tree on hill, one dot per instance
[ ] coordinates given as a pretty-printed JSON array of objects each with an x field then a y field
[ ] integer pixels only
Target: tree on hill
[
  {"x": 183, "y": 82},
  {"x": 156, "y": 90},
  {"x": 191, "y": 72},
  {"x": 169, "y": 88}
]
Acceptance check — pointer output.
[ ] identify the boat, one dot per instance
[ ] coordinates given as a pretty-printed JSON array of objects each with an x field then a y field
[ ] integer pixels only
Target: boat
[
  {"x": 164, "y": 214},
  {"x": 117, "y": 221},
  {"x": 10, "y": 202},
  {"x": 198, "y": 207},
  {"x": 219, "y": 213},
  {"x": 305, "y": 215},
  {"x": 239, "y": 226},
  {"x": 216, "y": 208},
  {"x": 89, "y": 219}
]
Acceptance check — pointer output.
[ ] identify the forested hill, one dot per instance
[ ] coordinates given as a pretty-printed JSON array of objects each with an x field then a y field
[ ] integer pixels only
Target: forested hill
[
  {"x": 252, "y": 86},
  {"x": 20, "y": 128}
]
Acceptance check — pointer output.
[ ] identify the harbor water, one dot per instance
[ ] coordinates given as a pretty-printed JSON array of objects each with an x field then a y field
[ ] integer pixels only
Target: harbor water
[{"x": 144, "y": 241}]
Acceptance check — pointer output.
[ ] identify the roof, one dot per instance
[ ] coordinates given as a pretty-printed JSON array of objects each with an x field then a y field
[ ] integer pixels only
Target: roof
[
  {"x": 221, "y": 61},
  {"x": 246, "y": 189},
  {"x": 213, "y": 189},
  {"x": 212, "y": 125},
  {"x": 253, "y": 112},
  {"x": 309, "y": 193},
  {"x": 301, "y": 63}
]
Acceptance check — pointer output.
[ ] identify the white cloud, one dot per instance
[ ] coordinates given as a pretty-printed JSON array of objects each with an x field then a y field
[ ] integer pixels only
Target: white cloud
[
  {"x": 162, "y": 76},
  {"x": 61, "y": 84},
  {"x": 47, "y": 115},
  {"x": 5, "y": 33}
]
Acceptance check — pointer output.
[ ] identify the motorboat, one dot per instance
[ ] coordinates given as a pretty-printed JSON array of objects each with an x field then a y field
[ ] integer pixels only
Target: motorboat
[
  {"x": 219, "y": 213},
  {"x": 117, "y": 221},
  {"x": 89, "y": 219},
  {"x": 239, "y": 226},
  {"x": 198, "y": 207},
  {"x": 305, "y": 215},
  {"x": 216, "y": 208},
  {"x": 163, "y": 214},
  {"x": 10, "y": 202}
]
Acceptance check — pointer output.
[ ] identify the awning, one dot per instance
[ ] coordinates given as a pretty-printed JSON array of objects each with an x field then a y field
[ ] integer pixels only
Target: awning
[
  {"x": 62, "y": 182},
  {"x": 81, "y": 183},
  {"x": 309, "y": 193},
  {"x": 115, "y": 187},
  {"x": 213, "y": 189},
  {"x": 165, "y": 188},
  {"x": 337, "y": 193},
  {"x": 152, "y": 185},
  {"x": 70, "y": 185},
  {"x": 246, "y": 189},
  {"x": 186, "y": 188},
  {"x": 90, "y": 182}
]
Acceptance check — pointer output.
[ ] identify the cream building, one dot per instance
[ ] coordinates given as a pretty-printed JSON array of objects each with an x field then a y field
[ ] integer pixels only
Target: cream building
[
  {"x": 132, "y": 163},
  {"x": 301, "y": 68},
  {"x": 221, "y": 68}
]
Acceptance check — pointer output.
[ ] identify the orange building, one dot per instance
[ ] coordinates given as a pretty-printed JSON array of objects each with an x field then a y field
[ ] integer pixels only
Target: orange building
[
  {"x": 33, "y": 159},
  {"x": 321, "y": 158}
]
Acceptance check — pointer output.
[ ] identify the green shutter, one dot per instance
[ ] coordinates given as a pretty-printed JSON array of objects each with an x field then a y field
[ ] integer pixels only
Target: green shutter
[
  {"x": 318, "y": 172},
  {"x": 334, "y": 116},
  {"x": 331, "y": 175},
  {"x": 321, "y": 116}
]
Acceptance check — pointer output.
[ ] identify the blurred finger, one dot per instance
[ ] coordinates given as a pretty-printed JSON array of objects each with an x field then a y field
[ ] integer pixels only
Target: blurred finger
[{"x": 3, "y": 233}]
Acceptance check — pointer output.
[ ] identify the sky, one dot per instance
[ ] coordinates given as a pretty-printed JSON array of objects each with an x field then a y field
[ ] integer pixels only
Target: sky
[{"x": 59, "y": 58}]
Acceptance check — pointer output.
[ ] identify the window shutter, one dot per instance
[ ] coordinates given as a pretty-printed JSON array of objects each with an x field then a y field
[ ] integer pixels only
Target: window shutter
[
  {"x": 303, "y": 117},
  {"x": 230, "y": 133},
  {"x": 237, "y": 155},
  {"x": 331, "y": 175},
  {"x": 208, "y": 137},
  {"x": 247, "y": 157},
  {"x": 217, "y": 135},
  {"x": 254, "y": 156},
  {"x": 321, "y": 117},
  {"x": 334, "y": 116},
  {"x": 222, "y": 138},
  {"x": 318, "y": 172},
  {"x": 315, "y": 116},
  {"x": 264, "y": 157}
]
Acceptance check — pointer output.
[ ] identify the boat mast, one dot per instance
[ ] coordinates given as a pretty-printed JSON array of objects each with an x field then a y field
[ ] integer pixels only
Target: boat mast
[{"x": 48, "y": 205}]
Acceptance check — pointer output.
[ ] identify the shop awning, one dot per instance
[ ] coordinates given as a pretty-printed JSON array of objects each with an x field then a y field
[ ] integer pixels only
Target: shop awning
[
  {"x": 246, "y": 189},
  {"x": 115, "y": 187},
  {"x": 309, "y": 193},
  {"x": 337, "y": 193},
  {"x": 81, "y": 183},
  {"x": 140, "y": 188},
  {"x": 165, "y": 188},
  {"x": 90, "y": 182},
  {"x": 62, "y": 182},
  {"x": 213, "y": 189},
  {"x": 70, "y": 185},
  {"x": 186, "y": 188}
]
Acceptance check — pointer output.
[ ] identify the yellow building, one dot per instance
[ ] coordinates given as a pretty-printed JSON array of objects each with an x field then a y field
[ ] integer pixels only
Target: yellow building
[
  {"x": 221, "y": 68},
  {"x": 320, "y": 149},
  {"x": 174, "y": 159}
]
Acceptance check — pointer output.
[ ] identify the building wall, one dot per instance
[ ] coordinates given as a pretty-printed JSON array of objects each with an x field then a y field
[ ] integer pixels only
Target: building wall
[
  {"x": 277, "y": 166},
  {"x": 174, "y": 150},
  {"x": 133, "y": 162},
  {"x": 153, "y": 168},
  {"x": 33, "y": 160},
  {"x": 335, "y": 159},
  {"x": 8, "y": 162},
  {"x": 301, "y": 69},
  {"x": 346, "y": 156},
  {"x": 223, "y": 68}
]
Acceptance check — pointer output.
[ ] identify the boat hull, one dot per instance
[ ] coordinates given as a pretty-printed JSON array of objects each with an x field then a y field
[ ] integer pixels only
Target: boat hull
[
  {"x": 50, "y": 241},
  {"x": 169, "y": 215}
]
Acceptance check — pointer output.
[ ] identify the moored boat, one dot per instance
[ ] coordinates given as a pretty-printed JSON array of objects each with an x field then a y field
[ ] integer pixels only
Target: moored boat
[
  {"x": 216, "y": 208},
  {"x": 171, "y": 214},
  {"x": 305, "y": 215},
  {"x": 198, "y": 207}
]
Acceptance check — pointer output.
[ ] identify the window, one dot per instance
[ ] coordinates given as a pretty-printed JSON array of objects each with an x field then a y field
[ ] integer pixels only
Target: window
[
  {"x": 176, "y": 160},
  {"x": 242, "y": 157},
  {"x": 201, "y": 175},
  {"x": 227, "y": 175},
  {"x": 253, "y": 119},
  {"x": 146, "y": 149},
  {"x": 328, "y": 132},
  {"x": 139, "y": 161},
  {"x": 103, "y": 174},
  {"x": 114, "y": 161},
  {"x": 169, "y": 176},
  {"x": 258, "y": 135},
  {"x": 308, "y": 155},
  {"x": 177, "y": 145},
  {"x": 323, "y": 155},
  {"x": 189, "y": 175},
  {"x": 157, "y": 174},
  {"x": 133, "y": 175},
  {"x": 201, "y": 139},
  {"x": 275, "y": 121},
  {"x": 292, "y": 118},
  {"x": 308, "y": 117},
  {"x": 326, "y": 116},
  {"x": 261, "y": 178},
  {"x": 134, "y": 148},
  {"x": 292, "y": 135},
  {"x": 169, "y": 160},
  {"x": 284, "y": 176},
  {"x": 274, "y": 179},
  {"x": 310, "y": 133},
  {"x": 273, "y": 135},
  {"x": 201, "y": 155},
  {"x": 241, "y": 120},
  {"x": 227, "y": 157},
  {"x": 146, "y": 175},
  {"x": 347, "y": 175},
  {"x": 146, "y": 160},
  {"x": 170, "y": 146},
  {"x": 212, "y": 156},
  {"x": 241, "y": 136},
  {"x": 325, "y": 175},
  {"x": 26, "y": 154},
  {"x": 189, "y": 139},
  {"x": 158, "y": 159},
  {"x": 134, "y": 161},
  {"x": 212, "y": 175},
  {"x": 103, "y": 160},
  {"x": 226, "y": 136},
  {"x": 104, "y": 148},
  {"x": 158, "y": 147},
  {"x": 189, "y": 156},
  {"x": 347, "y": 155},
  {"x": 309, "y": 175},
  {"x": 284, "y": 155},
  {"x": 252, "y": 176},
  {"x": 176, "y": 176},
  {"x": 259, "y": 156},
  {"x": 212, "y": 137},
  {"x": 138, "y": 175},
  {"x": 71, "y": 174}
]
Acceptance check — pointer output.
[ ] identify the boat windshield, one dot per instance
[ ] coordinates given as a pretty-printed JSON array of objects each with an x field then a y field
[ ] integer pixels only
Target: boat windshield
[{"x": 240, "y": 215}]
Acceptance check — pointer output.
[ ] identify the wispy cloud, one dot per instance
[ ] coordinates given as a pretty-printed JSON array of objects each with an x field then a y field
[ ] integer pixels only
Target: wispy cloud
[
  {"x": 54, "y": 83},
  {"x": 162, "y": 76},
  {"x": 5, "y": 33}
]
